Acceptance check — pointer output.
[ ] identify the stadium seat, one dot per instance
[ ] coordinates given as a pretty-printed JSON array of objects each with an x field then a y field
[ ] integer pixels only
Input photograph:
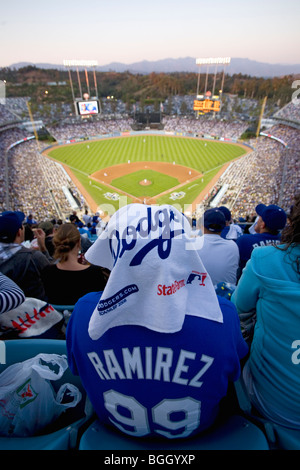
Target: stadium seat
[
  {"x": 62, "y": 308},
  {"x": 279, "y": 437},
  {"x": 236, "y": 433},
  {"x": 64, "y": 433}
]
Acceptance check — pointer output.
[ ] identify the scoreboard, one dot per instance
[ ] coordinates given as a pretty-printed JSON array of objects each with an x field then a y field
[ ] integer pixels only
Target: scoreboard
[
  {"x": 206, "y": 106},
  {"x": 206, "y": 103},
  {"x": 88, "y": 107}
]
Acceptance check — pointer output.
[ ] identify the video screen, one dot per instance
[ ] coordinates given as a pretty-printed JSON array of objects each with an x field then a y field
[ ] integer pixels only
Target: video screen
[{"x": 88, "y": 107}]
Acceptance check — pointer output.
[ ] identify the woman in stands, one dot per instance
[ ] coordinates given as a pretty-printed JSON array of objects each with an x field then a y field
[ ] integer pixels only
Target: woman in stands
[
  {"x": 68, "y": 280},
  {"x": 270, "y": 285}
]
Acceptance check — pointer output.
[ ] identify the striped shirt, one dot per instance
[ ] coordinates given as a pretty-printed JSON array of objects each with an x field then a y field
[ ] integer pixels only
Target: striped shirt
[{"x": 11, "y": 296}]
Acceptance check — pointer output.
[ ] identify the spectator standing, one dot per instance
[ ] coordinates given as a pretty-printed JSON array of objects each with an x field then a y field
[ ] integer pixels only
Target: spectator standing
[{"x": 87, "y": 219}]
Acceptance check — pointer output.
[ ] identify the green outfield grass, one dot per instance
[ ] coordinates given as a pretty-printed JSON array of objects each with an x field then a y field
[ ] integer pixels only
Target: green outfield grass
[{"x": 85, "y": 158}]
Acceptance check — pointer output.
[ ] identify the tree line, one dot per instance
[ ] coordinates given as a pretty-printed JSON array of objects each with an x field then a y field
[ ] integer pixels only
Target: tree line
[{"x": 128, "y": 87}]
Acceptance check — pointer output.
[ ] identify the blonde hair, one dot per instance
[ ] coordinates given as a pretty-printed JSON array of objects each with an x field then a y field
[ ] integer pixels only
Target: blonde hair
[{"x": 65, "y": 239}]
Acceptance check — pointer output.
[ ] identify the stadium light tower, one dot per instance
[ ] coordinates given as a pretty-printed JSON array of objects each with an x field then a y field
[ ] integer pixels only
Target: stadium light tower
[
  {"x": 208, "y": 101},
  {"x": 84, "y": 105}
]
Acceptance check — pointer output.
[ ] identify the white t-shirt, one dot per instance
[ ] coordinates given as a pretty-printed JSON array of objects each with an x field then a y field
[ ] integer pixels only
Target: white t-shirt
[{"x": 220, "y": 257}]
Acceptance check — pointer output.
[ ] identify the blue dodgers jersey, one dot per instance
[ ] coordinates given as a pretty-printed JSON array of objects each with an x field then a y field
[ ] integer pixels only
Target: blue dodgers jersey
[
  {"x": 147, "y": 383},
  {"x": 248, "y": 242}
]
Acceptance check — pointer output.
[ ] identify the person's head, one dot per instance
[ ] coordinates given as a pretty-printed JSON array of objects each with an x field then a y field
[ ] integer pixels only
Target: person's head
[
  {"x": 271, "y": 219},
  {"x": 227, "y": 214},
  {"x": 214, "y": 221},
  {"x": 47, "y": 226},
  {"x": 11, "y": 227},
  {"x": 291, "y": 233},
  {"x": 65, "y": 239}
]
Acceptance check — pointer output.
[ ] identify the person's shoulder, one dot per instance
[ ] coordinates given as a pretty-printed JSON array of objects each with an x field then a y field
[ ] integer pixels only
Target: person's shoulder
[
  {"x": 267, "y": 251},
  {"x": 245, "y": 236},
  {"x": 38, "y": 255},
  {"x": 92, "y": 298},
  {"x": 228, "y": 242},
  {"x": 84, "y": 307},
  {"x": 226, "y": 305},
  {"x": 247, "y": 239},
  {"x": 50, "y": 268},
  {"x": 93, "y": 267}
]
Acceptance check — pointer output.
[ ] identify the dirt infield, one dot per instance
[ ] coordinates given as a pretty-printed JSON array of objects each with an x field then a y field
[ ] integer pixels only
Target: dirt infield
[{"x": 182, "y": 173}]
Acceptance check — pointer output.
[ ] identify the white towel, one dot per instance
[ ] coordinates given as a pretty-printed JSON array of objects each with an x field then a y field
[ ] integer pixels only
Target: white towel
[{"x": 157, "y": 277}]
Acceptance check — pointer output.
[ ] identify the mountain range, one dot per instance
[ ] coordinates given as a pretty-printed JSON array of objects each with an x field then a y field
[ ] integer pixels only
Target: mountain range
[{"x": 187, "y": 64}]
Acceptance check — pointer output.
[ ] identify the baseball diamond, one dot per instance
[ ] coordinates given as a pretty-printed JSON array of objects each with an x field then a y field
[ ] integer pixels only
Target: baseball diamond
[{"x": 146, "y": 168}]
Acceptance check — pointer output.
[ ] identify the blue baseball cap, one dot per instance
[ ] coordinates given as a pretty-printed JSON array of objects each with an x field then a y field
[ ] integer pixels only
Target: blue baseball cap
[
  {"x": 10, "y": 222},
  {"x": 214, "y": 220},
  {"x": 273, "y": 216},
  {"x": 226, "y": 212}
]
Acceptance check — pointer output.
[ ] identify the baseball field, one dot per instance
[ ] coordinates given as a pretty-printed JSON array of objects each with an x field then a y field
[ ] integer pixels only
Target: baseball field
[{"x": 146, "y": 168}]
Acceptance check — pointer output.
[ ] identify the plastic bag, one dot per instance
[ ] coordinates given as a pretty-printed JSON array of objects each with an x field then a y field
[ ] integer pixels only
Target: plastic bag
[{"x": 28, "y": 401}]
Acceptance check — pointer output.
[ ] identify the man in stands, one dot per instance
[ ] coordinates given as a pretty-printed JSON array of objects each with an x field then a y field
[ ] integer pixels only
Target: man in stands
[
  {"x": 231, "y": 231},
  {"x": 271, "y": 220},
  {"x": 21, "y": 264},
  {"x": 157, "y": 348},
  {"x": 87, "y": 219},
  {"x": 220, "y": 257}
]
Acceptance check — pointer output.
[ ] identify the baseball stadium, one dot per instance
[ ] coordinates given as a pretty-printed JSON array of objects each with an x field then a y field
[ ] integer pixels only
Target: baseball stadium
[{"x": 100, "y": 160}]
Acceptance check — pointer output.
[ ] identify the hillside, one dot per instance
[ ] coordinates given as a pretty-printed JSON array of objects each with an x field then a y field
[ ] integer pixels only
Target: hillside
[{"x": 34, "y": 82}]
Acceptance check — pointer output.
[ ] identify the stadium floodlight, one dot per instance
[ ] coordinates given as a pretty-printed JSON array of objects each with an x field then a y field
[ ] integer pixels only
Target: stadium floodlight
[
  {"x": 80, "y": 63},
  {"x": 70, "y": 63},
  {"x": 209, "y": 61},
  {"x": 213, "y": 61}
]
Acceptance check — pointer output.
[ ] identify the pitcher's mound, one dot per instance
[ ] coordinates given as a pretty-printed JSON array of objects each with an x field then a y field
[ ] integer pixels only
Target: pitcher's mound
[{"x": 145, "y": 182}]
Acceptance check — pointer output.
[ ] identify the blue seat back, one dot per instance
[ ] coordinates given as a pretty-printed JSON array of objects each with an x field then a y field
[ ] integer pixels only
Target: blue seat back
[{"x": 236, "y": 433}]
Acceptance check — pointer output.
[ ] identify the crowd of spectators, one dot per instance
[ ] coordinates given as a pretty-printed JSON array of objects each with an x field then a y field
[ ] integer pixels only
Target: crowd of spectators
[
  {"x": 213, "y": 127},
  {"x": 290, "y": 112},
  {"x": 63, "y": 132},
  {"x": 13, "y": 109},
  {"x": 271, "y": 174},
  {"x": 34, "y": 182}
]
